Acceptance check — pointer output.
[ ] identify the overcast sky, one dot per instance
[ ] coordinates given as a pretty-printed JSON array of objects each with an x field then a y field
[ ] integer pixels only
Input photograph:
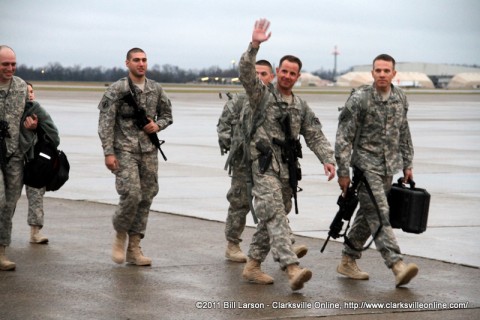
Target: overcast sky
[{"x": 197, "y": 34}]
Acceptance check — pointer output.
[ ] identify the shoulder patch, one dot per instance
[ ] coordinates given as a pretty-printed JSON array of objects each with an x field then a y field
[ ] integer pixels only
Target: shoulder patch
[{"x": 106, "y": 101}]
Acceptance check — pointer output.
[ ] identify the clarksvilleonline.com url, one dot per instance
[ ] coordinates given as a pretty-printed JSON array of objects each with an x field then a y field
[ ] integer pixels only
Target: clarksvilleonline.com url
[{"x": 405, "y": 305}]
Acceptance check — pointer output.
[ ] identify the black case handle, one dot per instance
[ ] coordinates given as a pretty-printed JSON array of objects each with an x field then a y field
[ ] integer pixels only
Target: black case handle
[{"x": 410, "y": 182}]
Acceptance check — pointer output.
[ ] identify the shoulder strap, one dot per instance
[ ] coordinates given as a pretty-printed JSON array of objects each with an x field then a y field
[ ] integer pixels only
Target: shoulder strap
[
  {"x": 134, "y": 103},
  {"x": 402, "y": 95},
  {"x": 363, "y": 114},
  {"x": 259, "y": 116}
]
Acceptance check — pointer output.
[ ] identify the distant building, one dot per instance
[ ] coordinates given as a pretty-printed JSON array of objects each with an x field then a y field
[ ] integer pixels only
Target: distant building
[
  {"x": 439, "y": 74},
  {"x": 309, "y": 80},
  {"x": 466, "y": 80},
  {"x": 354, "y": 79},
  {"x": 402, "y": 79}
]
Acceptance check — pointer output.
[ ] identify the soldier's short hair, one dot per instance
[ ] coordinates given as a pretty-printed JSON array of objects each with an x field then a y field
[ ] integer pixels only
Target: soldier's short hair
[
  {"x": 264, "y": 63},
  {"x": 384, "y": 57},
  {"x": 293, "y": 59},
  {"x": 133, "y": 50}
]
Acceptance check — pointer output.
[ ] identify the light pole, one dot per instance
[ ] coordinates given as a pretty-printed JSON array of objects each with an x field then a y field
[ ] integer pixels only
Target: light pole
[{"x": 335, "y": 54}]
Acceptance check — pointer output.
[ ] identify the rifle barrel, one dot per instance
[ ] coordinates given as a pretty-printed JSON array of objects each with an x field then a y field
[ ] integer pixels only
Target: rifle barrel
[{"x": 324, "y": 244}]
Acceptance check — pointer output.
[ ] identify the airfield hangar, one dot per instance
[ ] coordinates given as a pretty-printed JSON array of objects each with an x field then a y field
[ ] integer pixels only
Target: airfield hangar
[{"x": 416, "y": 74}]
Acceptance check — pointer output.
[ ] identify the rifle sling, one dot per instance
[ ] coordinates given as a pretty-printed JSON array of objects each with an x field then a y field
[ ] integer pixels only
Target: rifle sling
[{"x": 372, "y": 197}]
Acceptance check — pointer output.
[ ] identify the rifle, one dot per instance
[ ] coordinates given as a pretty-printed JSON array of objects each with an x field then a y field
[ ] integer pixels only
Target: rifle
[
  {"x": 4, "y": 127},
  {"x": 141, "y": 119},
  {"x": 347, "y": 205},
  {"x": 291, "y": 151}
]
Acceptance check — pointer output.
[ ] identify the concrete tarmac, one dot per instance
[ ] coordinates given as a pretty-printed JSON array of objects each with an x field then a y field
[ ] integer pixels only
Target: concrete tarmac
[{"x": 74, "y": 278}]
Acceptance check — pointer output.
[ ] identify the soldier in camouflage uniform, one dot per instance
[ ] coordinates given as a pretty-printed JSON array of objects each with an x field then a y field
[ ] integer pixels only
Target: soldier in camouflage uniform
[
  {"x": 130, "y": 154},
  {"x": 13, "y": 96},
  {"x": 231, "y": 139},
  {"x": 35, "y": 195},
  {"x": 228, "y": 138},
  {"x": 373, "y": 135},
  {"x": 271, "y": 189}
]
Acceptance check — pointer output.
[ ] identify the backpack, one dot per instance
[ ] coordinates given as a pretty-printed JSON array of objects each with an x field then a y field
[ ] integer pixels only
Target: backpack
[
  {"x": 236, "y": 137},
  {"x": 49, "y": 168}
]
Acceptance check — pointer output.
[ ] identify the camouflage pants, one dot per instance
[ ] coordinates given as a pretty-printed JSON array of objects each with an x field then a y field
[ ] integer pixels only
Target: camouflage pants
[
  {"x": 35, "y": 206},
  {"x": 239, "y": 207},
  {"x": 137, "y": 184},
  {"x": 367, "y": 222},
  {"x": 272, "y": 203},
  {"x": 11, "y": 185}
]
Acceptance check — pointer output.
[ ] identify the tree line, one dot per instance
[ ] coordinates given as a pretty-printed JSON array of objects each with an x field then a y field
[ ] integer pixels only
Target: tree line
[{"x": 164, "y": 73}]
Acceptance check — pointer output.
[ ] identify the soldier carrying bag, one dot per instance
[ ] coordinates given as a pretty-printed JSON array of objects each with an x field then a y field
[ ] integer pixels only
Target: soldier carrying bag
[{"x": 408, "y": 207}]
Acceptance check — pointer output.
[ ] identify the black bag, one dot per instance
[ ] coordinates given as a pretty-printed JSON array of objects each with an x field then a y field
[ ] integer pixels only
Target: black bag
[
  {"x": 39, "y": 171},
  {"x": 62, "y": 173},
  {"x": 408, "y": 207},
  {"x": 49, "y": 168}
]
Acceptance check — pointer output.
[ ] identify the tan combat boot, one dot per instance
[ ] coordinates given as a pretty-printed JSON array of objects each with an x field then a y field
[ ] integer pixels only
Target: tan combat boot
[
  {"x": 118, "y": 248},
  {"x": 36, "y": 236},
  {"x": 298, "y": 276},
  {"x": 5, "y": 264},
  {"x": 134, "y": 252},
  {"x": 348, "y": 267},
  {"x": 300, "y": 251},
  {"x": 234, "y": 253},
  {"x": 404, "y": 272},
  {"x": 253, "y": 273}
]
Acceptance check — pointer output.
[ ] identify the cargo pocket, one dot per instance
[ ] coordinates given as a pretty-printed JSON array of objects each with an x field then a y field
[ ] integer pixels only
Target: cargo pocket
[{"x": 121, "y": 183}]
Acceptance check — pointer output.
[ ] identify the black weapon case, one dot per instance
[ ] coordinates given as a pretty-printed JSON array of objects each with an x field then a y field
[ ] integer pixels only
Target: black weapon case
[{"x": 408, "y": 207}]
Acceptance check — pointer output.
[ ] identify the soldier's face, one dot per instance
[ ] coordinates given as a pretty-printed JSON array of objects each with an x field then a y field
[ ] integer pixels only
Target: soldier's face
[
  {"x": 264, "y": 73},
  {"x": 8, "y": 65},
  {"x": 287, "y": 75},
  {"x": 383, "y": 73},
  {"x": 31, "y": 94},
  {"x": 137, "y": 64}
]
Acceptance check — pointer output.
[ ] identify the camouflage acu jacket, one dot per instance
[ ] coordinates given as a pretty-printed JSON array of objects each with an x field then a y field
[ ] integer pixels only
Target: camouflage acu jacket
[
  {"x": 384, "y": 141},
  {"x": 271, "y": 110},
  {"x": 116, "y": 125},
  {"x": 12, "y": 105}
]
